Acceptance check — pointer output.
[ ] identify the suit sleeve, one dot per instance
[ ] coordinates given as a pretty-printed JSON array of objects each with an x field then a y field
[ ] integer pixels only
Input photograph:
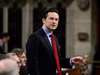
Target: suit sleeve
[
  {"x": 65, "y": 63},
  {"x": 32, "y": 49}
]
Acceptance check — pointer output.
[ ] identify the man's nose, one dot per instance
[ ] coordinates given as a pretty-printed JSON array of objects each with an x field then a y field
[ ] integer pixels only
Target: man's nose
[{"x": 25, "y": 59}]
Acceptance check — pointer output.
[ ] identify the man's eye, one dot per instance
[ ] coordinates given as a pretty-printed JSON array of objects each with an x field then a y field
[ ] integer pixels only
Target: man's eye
[
  {"x": 51, "y": 18},
  {"x": 56, "y": 20}
]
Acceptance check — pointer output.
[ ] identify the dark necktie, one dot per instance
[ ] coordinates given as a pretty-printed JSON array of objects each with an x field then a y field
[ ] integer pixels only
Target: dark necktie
[{"x": 56, "y": 54}]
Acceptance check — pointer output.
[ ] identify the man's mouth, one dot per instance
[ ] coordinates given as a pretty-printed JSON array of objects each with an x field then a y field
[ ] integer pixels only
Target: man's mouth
[{"x": 53, "y": 25}]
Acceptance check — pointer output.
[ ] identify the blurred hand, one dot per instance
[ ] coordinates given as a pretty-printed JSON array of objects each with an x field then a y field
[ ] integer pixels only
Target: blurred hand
[{"x": 78, "y": 60}]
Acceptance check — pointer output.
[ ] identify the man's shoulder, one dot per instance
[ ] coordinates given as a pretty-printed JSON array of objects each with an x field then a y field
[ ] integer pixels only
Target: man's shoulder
[{"x": 38, "y": 33}]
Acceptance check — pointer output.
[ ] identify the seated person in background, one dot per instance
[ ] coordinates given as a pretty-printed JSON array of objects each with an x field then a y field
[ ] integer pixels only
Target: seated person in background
[
  {"x": 8, "y": 67},
  {"x": 22, "y": 57},
  {"x": 13, "y": 56},
  {"x": 3, "y": 40},
  {"x": 3, "y": 56}
]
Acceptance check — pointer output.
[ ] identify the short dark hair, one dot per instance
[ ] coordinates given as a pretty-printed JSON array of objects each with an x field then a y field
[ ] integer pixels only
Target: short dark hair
[
  {"x": 45, "y": 13},
  {"x": 18, "y": 51},
  {"x": 4, "y": 35}
]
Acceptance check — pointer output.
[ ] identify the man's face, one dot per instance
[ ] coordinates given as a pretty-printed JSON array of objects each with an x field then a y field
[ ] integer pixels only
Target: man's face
[
  {"x": 6, "y": 39},
  {"x": 22, "y": 58},
  {"x": 14, "y": 57},
  {"x": 51, "y": 22}
]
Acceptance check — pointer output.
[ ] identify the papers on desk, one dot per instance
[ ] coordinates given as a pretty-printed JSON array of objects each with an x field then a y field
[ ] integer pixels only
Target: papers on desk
[{"x": 67, "y": 74}]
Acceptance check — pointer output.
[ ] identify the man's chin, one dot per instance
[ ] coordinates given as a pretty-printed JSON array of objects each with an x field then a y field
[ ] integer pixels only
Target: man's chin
[
  {"x": 53, "y": 29},
  {"x": 24, "y": 65}
]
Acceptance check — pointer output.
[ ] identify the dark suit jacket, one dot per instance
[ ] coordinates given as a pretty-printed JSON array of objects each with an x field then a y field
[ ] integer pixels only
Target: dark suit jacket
[
  {"x": 23, "y": 70},
  {"x": 2, "y": 50},
  {"x": 40, "y": 55}
]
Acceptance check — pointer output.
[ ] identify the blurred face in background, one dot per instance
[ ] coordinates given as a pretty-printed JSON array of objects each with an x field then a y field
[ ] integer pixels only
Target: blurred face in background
[
  {"x": 14, "y": 57},
  {"x": 5, "y": 39},
  {"x": 22, "y": 58}
]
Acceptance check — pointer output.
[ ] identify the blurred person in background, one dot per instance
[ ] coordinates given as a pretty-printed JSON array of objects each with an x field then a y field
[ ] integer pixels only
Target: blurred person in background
[
  {"x": 8, "y": 67},
  {"x": 3, "y": 56},
  {"x": 4, "y": 38},
  {"x": 22, "y": 57},
  {"x": 13, "y": 56}
]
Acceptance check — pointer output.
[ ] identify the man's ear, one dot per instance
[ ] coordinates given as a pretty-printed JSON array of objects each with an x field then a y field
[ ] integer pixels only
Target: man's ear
[{"x": 43, "y": 20}]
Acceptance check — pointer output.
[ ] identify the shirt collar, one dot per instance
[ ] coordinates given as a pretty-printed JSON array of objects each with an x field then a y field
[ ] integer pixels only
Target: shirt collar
[{"x": 46, "y": 31}]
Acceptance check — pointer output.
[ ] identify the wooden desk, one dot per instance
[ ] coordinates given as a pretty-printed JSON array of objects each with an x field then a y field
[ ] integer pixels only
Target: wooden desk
[
  {"x": 75, "y": 71},
  {"x": 97, "y": 70}
]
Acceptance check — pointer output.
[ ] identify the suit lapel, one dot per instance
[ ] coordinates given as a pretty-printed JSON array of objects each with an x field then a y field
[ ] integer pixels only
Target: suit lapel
[
  {"x": 51, "y": 48},
  {"x": 46, "y": 39}
]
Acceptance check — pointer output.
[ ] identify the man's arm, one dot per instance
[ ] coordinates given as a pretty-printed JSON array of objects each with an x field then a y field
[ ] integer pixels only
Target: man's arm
[
  {"x": 78, "y": 60},
  {"x": 65, "y": 63},
  {"x": 68, "y": 62},
  {"x": 32, "y": 48}
]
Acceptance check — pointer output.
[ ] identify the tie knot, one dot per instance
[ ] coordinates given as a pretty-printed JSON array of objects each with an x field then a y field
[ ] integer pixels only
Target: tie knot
[{"x": 51, "y": 35}]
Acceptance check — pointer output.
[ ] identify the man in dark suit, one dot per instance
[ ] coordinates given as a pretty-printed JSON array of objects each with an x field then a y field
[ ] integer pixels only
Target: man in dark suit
[
  {"x": 3, "y": 40},
  {"x": 41, "y": 58}
]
